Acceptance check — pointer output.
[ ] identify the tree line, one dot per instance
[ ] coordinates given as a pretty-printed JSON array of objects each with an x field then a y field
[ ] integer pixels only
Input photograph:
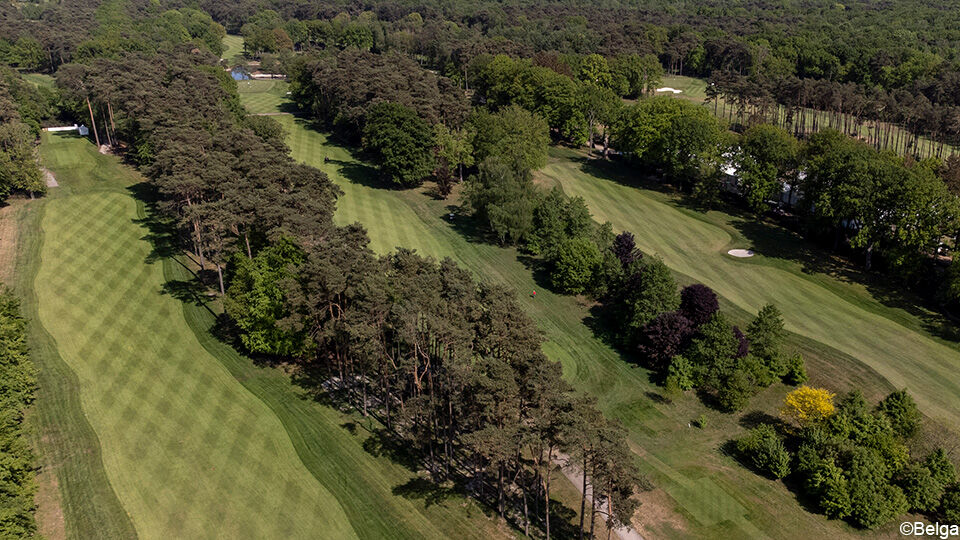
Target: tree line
[
  {"x": 879, "y": 79},
  {"x": 18, "y": 383},
  {"x": 870, "y": 67},
  {"x": 451, "y": 367},
  {"x": 853, "y": 459},
  {"x": 844, "y": 191},
  {"x": 22, "y": 108}
]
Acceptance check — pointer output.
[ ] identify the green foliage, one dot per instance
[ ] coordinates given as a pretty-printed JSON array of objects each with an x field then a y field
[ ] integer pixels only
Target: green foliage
[
  {"x": 902, "y": 412},
  {"x": 401, "y": 143},
  {"x": 766, "y": 336},
  {"x": 505, "y": 82},
  {"x": 796, "y": 371},
  {"x": 734, "y": 389},
  {"x": 901, "y": 211},
  {"x": 17, "y": 386},
  {"x": 682, "y": 138},
  {"x": 873, "y": 501},
  {"x": 647, "y": 292},
  {"x": 575, "y": 261},
  {"x": 640, "y": 74},
  {"x": 767, "y": 154},
  {"x": 950, "y": 504},
  {"x": 701, "y": 421},
  {"x": 513, "y": 134},
  {"x": 763, "y": 448},
  {"x": 454, "y": 151},
  {"x": 940, "y": 467},
  {"x": 255, "y": 300},
  {"x": 714, "y": 346},
  {"x": 922, "y": 491},
  {"x": 18, "y": 159},
  {"x": 680, "y": 370},
  {"x": 557, "y": 217},
  {"x": 502, "y": 197}
]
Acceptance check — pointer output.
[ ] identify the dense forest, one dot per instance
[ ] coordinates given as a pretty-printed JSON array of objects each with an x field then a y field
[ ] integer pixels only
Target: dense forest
[{"x": 475, "y": 94}]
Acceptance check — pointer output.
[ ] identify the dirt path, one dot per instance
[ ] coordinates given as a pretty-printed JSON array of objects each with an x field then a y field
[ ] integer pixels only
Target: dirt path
[
  {"x": 575, "y": 476},
  {"x": 50, "y": 179},
  {"x": 8, "y": 240}
]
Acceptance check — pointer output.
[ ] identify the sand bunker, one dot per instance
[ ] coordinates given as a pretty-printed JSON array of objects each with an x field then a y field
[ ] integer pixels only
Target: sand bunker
[
  {"x": 668, "y": 89},
  {"x": 742, "y": 253}
]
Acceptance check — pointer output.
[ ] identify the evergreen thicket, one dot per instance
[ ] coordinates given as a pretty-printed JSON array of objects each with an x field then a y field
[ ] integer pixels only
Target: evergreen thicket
[{"x": 17, "y": 386}]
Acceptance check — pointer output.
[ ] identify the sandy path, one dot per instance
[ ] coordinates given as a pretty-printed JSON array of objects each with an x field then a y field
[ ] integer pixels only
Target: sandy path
[
  {"x": 50, "y": 179},
  {"x": 574, "y": 475}
]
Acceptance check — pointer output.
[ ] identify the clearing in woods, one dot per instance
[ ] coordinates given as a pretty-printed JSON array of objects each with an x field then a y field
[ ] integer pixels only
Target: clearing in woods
[
  {"x": 156, "y": 429},
  {"x": 709, "y": 494}
]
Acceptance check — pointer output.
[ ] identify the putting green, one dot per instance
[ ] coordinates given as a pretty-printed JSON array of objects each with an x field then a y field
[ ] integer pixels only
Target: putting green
[{"x": 189, "y": 451}]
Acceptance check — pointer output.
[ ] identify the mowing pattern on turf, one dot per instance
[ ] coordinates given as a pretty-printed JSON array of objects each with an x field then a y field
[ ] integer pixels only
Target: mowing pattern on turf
[
  {"x": 717, "y": 497},
  {"x": 190, "y": 453},
  {"x": 904, "y": 357}
]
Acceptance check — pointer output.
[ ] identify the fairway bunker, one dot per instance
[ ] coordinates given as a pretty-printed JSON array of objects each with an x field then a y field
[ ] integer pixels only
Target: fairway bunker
[{"x": 741, "y": 253}]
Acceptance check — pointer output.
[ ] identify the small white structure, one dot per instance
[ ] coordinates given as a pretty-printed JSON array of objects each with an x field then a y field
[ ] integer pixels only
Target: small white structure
[
  {"x": 65, "y": 128},
  {"x": 668, "y": 89},
  {"x": 81, "y": 129}
]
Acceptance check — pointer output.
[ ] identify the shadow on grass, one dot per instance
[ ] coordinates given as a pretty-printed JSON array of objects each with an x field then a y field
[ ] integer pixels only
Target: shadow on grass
[
  {"x": 781, "y": 241},
  {"x": 426, "y": 490},
  {"x": 187, "y": 291},
  {"x": 360, "y": 173},
  {"x": 161, "y": 233},
  {"x": 317, "y": 383},
  {"x": 469, "y": 227}
]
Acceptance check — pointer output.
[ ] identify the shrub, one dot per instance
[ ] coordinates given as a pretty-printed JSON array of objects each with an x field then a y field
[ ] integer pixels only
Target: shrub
[
  {"x": 765, "y": 452},
  {"x": 902, "y": 412},
  {"x": 574, "y": 264},
  {"x": 796, "y": 372},
  {"x": 873, "y": 501},
  {"x": 735, "y": 390},
  {"x": 698, "y": 303},
  {"x": 807, "y": 405},
  {"x": 663, "y": 338},
  {"x": 922, "y": 491},
  {"x": 940, "y": 467},
  {"x": 681, "y": 372},
  {"x": 950, "y": 504},
  {"x": 766, "y": 333}
]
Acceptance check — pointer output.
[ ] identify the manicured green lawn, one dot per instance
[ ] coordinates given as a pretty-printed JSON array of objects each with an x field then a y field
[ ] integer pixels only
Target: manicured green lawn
[
  {"x": 232, "y": 47},
  {"x": 841, "y": 315},
  {"x": 708, "y": 493},
  {"x": 189, "y": 451},
  {"x": 40, "y": 79},
  {"x": 263, "y": 96},
  {"x": 195, "y": 439},
  {"x": 693, "y": 88}
]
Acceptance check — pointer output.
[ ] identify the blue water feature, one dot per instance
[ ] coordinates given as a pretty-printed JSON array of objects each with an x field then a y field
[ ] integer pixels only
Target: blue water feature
[{"x": 239, "y": 74}]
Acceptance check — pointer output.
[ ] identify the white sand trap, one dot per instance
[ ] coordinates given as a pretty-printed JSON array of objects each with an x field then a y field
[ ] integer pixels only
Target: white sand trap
[
  {"x": 742, "y": 253},
  {"x": 668, "y": 89}
]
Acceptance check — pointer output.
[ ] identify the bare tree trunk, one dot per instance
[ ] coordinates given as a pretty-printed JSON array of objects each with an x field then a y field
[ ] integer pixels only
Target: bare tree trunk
[
  {"x": 220, "y": 277},
  {"x": 610, "y": 510},
  {"x": 583, "y": 495},
  {"x": 93, "y": 123}
]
